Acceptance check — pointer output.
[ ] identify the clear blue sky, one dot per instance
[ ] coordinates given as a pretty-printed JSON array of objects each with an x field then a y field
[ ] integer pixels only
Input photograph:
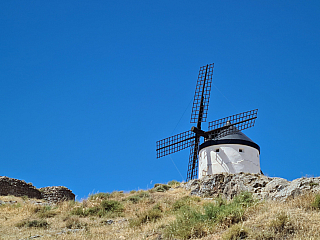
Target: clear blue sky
[{"x": 88, "y": 87}]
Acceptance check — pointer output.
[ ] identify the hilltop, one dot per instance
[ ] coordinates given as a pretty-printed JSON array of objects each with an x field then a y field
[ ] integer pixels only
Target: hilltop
[{"x": 222, "y": 206}]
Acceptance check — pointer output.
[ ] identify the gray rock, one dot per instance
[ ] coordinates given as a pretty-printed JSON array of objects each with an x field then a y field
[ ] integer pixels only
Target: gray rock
[
  {"x": 31, "y": 237},
  {"x": 262, "y": 187},
  {"x": 109, "y": 222}
]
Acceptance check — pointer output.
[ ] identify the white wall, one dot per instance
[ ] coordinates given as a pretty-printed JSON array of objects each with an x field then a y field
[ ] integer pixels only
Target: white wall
[{"x": 228, "y": 159}]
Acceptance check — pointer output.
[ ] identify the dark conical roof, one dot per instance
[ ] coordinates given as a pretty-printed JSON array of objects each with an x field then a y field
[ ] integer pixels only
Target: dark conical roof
[
  {"x": 231, "y": 132},
  {"x": 235, "y": 137}
]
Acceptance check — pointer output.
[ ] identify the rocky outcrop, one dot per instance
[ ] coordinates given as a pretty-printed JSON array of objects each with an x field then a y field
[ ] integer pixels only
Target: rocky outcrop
[
  {"x": 19, "y": 188},
  {"x": 262, "y": 187}
]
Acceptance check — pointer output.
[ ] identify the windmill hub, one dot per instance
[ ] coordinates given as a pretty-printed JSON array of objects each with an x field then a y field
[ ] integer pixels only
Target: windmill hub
[
  {"x": 225, "y": 149},
  {"x": 199, "y": 132}
]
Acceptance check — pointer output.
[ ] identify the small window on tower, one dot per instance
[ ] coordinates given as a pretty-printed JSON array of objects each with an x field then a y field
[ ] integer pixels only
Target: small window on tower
[
  {"x": 240, "y": 150},
  {"x": 217, "y": 149}
]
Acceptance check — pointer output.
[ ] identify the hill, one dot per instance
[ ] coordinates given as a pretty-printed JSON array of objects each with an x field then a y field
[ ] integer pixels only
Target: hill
[{"x": 193, "y": 210}]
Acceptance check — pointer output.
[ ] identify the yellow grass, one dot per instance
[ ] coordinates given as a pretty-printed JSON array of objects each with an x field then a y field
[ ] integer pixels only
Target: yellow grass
[{"x": 301, "y": 221}]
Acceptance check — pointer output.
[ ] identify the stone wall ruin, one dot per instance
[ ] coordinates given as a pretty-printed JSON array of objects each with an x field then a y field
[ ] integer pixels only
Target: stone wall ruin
[
  {"x": 57, "y": 194},
  {"x": 19, "y": 188}
]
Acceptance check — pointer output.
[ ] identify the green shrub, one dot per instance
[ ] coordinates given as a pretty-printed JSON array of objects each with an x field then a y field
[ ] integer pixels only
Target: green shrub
[
  {"x": 95, "y": 211},
  {"x": 186, "y": 230},
  {"x": 99, "y": 196},
  {"x": 158, "y": 187},
  {"x": 116, "y": 194},
  {"x": 316, "y": 203},
  {"x": 185, "y": 201},
  {"x": 79, "y": 211},
  {"x": 278, "y": 224},
  {"x": 33, "y": 223},
  {"x": 112, "y": 206},
  {"x": 281, "y": 224},
  {"x": 149, "y": 216},
  {"x": 107, "y": 207},
  {"x": 158, "y": 206},
  {"x": 235, "y": 232},
  {"x": 189, "y": 223},
  {"x": 173, "y": 183},
  {"x": 152, "y": 216},
  {"x": 244, "y": 199},
  {"x": 41, "y": 209},
  {"x": 229, "y": 213},
  {"x": 143, "y": 194},
  {"x": 225, "y": 213},
  {"x": 74, "y": 223},
  {"x": 137, "y": 197},
  {"x": 195, "y": 222},
  {"x": 134, "y": 199},
  {"x": 48, "y": 214},
  {"x": 44, "y": 212}
]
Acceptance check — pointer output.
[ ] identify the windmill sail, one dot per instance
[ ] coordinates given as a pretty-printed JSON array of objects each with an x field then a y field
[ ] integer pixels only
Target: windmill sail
[
  {"x": 175, "y": 143},
  {"x": 234, "y": 123},
  {"x": 193, "y": 160},
  {"x": 199, "y": 114},
  {"x": 202, "y": 94}
]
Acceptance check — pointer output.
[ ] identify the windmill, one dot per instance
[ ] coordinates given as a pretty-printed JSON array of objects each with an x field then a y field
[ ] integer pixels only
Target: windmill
[{"x": 217, "y": 130}]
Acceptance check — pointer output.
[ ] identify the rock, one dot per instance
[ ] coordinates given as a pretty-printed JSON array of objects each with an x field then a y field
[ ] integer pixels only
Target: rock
[
  {"x": 36, "y": 236},
  {"x": 109, "y": 222},
  {"x": 31, "y": 237},
  {"x": 262, "y": 187}
]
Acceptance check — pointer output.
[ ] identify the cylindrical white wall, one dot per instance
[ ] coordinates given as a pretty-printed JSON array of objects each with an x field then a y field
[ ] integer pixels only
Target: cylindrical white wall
[{"x": 230, "y": 158}]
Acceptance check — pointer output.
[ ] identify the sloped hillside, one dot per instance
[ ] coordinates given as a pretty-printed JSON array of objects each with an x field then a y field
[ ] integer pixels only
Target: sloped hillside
[{"x": 167, "y": 211}]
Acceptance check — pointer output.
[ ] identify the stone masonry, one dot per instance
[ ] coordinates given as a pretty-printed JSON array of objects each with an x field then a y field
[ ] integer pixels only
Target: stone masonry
[
  {"x": 19, "y": 188},
  {"x": 57, "y": 194}
]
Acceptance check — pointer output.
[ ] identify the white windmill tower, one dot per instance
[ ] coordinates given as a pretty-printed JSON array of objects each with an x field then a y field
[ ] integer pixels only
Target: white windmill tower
[
  {"x": 229, "y": 151},
  {"x": 225, "y": 147}
]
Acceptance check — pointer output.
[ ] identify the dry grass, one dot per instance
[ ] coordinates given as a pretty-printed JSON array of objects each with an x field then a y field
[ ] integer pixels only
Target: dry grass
[
  {"x": 293, "y": 219},
  {"x": 148, "y": 215}
]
